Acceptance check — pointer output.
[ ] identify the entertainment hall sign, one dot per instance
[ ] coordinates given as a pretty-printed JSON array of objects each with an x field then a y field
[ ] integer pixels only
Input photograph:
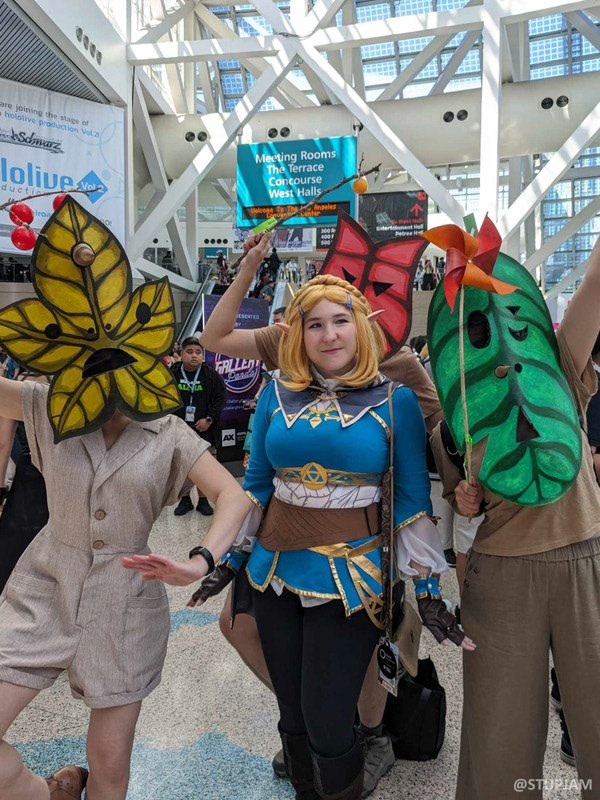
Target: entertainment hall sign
[
  {"x": 52, "y": 142},
  {"x": 274, "y": 178}
]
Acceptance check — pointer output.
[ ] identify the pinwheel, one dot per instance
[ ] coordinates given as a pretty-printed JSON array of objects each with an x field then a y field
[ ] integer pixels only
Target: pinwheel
[{"x": 469, "y": 259}]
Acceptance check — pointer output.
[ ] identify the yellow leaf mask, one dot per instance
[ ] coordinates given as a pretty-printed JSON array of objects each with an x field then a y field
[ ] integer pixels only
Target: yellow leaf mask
[{"x": 102, "y": 343}]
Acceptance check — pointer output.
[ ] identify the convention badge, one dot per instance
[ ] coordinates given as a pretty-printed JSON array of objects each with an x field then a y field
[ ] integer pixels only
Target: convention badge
[
  {"x": 190, "y": 413},
  {"x": 517, "y": 397},
  {"x": 102, "y": 341},
  {"x": 390, "y": 669}
]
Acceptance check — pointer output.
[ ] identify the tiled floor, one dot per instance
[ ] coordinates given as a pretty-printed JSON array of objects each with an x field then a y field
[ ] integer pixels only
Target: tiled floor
[{"x": 209, "y": 731}]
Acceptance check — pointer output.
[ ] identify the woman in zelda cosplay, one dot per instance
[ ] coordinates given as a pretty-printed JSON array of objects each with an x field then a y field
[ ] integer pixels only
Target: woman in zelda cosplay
[
  {"x": 370, "y": 267},
  {"x": 322, "y": 440},
  {"x": 514, "y": 396},
  {"x": 112, "y": 456}
]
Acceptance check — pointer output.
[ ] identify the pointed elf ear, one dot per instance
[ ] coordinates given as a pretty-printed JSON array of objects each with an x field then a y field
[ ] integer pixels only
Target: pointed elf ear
[
  {"x": 374, "y": 314},
  {"x": 283, "y": 326}
]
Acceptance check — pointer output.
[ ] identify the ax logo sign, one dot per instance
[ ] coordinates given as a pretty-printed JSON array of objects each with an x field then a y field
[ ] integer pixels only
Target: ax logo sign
[{"x": 228, "y": 437}]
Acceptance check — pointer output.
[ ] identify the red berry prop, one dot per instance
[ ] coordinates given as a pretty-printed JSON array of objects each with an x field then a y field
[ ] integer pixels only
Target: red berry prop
[
  {"x": 23, "y": 238},
  {"x": 58, "y": 201},
  {"x": 21, "y": 214}
]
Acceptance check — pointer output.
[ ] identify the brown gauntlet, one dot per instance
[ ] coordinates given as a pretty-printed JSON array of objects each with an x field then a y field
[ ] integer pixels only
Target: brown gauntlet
[
  {"x": 213, "y": 584},
  {"x": 438, "y": 620}
]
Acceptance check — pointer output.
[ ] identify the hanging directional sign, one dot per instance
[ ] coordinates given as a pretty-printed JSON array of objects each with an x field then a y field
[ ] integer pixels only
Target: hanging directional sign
[{"x": 393, "y": 214}]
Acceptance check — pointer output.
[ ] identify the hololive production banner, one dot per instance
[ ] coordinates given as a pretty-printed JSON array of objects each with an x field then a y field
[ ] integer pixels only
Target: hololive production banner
[
  {"x": 392, "y": 215},
  {"x": 274, "y": 178},
  {"x": 51, "y": 142},
  {"x": 242, "y": 377}
]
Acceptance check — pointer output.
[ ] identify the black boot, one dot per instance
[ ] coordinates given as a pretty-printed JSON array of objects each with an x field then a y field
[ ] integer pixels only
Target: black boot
[
  {"x": 299, "y": 765},
  {"x": 566, "y": 749},
  {"x": 340, "y": 778}
]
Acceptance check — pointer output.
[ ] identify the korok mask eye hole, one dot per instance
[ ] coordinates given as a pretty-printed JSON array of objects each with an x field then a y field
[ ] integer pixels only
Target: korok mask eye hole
[{"x": 478, "y": 328}]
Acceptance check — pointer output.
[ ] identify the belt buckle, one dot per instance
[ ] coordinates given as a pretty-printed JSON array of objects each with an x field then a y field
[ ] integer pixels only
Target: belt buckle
[{"x": 314, "y": 476}]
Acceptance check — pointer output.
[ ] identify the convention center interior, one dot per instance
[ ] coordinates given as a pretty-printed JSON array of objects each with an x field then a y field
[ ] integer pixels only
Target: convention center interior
[{"x": 299, "y": 403}]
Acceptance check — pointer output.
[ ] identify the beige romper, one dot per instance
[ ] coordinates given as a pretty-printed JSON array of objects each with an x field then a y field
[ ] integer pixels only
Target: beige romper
[{"x": 70, "y": 604}]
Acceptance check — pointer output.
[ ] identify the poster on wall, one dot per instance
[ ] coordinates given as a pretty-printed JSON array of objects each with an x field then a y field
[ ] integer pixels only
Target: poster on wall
[
  {"x": 51, "y": 142},
  {"x": 242, "y": 377},
  {"x": 274, "y": 178},
  {"x": 390, "y": 215},
  {"x": 285, "y": 240}
]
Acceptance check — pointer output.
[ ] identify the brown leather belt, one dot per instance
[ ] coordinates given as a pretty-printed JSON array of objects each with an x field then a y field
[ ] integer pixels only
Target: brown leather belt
[{"x": 287, "y": 527}]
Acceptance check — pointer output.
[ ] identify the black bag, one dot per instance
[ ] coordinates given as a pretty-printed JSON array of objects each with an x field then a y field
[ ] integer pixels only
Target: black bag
[{"x": 416, "y": 718}]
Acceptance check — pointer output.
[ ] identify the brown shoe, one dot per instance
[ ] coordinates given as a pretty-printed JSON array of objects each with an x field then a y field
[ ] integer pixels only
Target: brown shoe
[{"x": 67, "y": 783}]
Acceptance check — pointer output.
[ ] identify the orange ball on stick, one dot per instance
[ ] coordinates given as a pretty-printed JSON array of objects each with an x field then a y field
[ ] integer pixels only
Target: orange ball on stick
[{"x": 360, "y": 185}]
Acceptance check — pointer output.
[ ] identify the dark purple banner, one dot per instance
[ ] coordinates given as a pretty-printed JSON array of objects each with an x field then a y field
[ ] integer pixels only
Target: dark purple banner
[{"x": 242, "y": 378}]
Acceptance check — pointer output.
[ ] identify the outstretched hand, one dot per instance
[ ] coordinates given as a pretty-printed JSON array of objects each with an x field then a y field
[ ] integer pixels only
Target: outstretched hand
[
  {"x": 160, "y": 568},
  {"x": 442, "y": 624}
]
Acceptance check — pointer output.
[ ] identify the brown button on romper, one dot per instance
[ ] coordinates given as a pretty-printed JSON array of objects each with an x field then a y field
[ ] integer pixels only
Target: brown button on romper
[{"x": 70, "y": 604}]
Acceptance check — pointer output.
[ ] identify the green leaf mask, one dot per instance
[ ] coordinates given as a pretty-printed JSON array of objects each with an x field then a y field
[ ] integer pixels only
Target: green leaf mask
[{"x": 517, "y": 395}]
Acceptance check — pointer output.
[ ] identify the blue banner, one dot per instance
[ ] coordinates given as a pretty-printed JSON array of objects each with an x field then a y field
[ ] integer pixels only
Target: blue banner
[
  {"x": 274, "y": 178},
  {"x": 242, "y": 377}
]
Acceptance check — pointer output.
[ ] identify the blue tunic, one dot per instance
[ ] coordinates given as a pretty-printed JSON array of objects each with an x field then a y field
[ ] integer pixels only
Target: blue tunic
[{"x": 351, "y": 443}]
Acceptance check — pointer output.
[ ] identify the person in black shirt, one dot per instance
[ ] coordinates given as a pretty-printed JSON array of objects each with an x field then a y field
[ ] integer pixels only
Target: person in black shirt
[{"x": 203, "y": 392}]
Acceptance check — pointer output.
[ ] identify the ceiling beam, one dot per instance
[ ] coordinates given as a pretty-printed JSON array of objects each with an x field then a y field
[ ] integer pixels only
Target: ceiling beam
[
  {"x": 151, "y": 270},
  {"x": 457, "y": 58},
  {"x": 201, "y": 50},
  {"x": 171, "y": 18},
  {"x": 551, "y": 173},
  {"x": 381, "y": 131},
  {"x": 213, "y": 150},
  {"x": 570, "y": 229},
  {"x": 254, "y": 65},
  {"x": 585, "y": 26}
]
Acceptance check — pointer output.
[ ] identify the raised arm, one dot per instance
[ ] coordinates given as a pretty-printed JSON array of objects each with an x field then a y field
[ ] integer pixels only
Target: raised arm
[
  {"x": 220, "y": 334},
  {"x": 11, "y": 403},
  {"x": 581, "y": 324}
]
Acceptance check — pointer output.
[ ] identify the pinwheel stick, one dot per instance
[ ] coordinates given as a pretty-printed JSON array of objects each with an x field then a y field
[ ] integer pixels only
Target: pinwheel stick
[
  {"x": 463, "y": 387},
  {"x": 272, "y": 223}
]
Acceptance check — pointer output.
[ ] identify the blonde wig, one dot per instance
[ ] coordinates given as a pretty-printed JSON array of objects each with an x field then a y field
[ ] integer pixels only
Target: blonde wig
[{"x": 293, "y": 360}]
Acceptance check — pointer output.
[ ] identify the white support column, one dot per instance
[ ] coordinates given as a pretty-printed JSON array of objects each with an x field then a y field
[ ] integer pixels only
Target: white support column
[
  {"x": 191, "y": 229},
  {"x": 512, "y": 244},
  {"x": 189, "y": 68},
  {"x": 551, "y": 173},
  {"x": 244, "y": 111},
  {"x": 491, "y": 89},
  {"x": 567, "y": 281},
  {"x": 145, "y": 133},
  {"x": 130, "y": 199},
  {"x": 570, "y": 229},
  {"x": 382, "y": 132}
]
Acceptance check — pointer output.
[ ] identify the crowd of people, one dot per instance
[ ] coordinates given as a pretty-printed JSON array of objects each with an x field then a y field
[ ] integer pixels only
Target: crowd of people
[{"x": 336, "y": 518}]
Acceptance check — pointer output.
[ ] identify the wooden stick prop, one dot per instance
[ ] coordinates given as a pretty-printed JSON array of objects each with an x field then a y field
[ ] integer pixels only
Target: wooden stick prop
[{"x": 270, "y": 224}]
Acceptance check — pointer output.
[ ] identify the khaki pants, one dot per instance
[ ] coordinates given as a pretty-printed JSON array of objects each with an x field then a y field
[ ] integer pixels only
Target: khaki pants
[{"x": 517, "y": 609}]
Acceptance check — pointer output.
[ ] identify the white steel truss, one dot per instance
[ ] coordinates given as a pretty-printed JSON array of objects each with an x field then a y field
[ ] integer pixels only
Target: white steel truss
[{"x": 306, "y": 60}]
